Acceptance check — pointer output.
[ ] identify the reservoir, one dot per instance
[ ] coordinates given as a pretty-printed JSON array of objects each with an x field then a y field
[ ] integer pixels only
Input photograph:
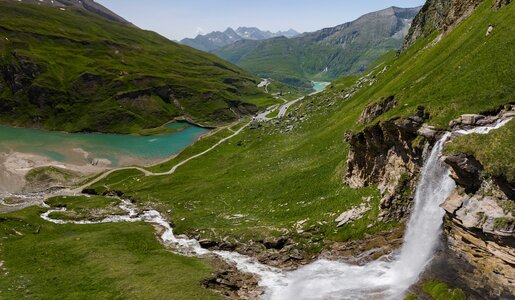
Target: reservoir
[
  {"x": 320, "y": 86},
  {"x": 80, "y": 148}
]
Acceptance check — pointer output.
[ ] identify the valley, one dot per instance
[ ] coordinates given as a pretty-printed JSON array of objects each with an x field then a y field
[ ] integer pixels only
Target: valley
[{"x": 394, "y": 182}]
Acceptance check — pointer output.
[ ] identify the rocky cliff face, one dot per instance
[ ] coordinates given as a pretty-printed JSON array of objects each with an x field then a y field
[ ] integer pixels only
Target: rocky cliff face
[
  {"x": 440, "y": 16},
  {"x": 389, "y": 155},
  {"x": 480, "y": 220}
]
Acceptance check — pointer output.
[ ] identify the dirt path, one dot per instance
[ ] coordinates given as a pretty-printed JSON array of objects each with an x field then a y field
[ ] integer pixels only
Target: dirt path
[{"x": 149, "y": 173}]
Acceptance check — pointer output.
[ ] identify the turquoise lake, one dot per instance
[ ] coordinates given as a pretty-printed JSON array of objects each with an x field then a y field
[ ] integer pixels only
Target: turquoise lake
[
  {"x": 70, "y": 147},
  {"x": 320, "y": 86}
]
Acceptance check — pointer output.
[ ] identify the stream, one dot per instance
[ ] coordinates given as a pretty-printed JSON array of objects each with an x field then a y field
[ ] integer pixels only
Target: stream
[{"x": 386, "y": 278}]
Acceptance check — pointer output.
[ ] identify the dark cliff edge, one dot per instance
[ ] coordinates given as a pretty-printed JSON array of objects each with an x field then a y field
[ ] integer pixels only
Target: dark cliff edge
[{"x": 389, "y": 155}]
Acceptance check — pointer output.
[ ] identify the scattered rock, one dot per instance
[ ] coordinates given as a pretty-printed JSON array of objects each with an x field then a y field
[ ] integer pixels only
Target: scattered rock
[
  {"x": 232, "y": 283},
  {"x": 501, "y": 3},
  {"x": 278, "y": 243},
  {"x": 354, "y": 213},
  {"x": 365, "y": 250},
  {"x": 474, "y": 120},
  {"x": 489, "y": 30}
]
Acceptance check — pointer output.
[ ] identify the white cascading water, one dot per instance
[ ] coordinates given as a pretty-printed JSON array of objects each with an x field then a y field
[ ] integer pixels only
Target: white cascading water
[
  {"x": 380, "y": 279},
  {"x": 323, "y": 279}
]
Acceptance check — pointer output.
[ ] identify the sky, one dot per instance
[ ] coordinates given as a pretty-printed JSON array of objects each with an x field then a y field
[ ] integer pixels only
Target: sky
[{"x": 177, "y": 19}]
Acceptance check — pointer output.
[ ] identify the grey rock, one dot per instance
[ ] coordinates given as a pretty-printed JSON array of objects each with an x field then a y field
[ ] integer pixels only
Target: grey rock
[{"x": 466, "y": 171}]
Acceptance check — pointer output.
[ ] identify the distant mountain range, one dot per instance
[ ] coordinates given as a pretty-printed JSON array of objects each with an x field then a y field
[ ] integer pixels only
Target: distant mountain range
[
  {"x": 323, "y": 55},
  {"x": 218, "y": 39}
]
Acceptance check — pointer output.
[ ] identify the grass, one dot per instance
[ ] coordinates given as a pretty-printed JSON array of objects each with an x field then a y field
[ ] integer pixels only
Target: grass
[
  {"x": 273, "y": 114},
  {"x": 441, "y": 291},
  {"x": 276, "y": 177},
  {"x": 162, "y": 130},
  {"x": 493, "y": 150},
  {"x": 49, "y": 176},
  {"x": 200, "y": 146},
  {"x": 81, "y": 202},
  {"x": 84, "y": 208},
  {"x": 108, "y": 261},
  {"x": 80, "y": 72}
]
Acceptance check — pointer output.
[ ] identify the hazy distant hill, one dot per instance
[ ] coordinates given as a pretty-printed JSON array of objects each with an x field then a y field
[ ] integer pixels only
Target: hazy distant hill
[{"x": 325, "y": 54}]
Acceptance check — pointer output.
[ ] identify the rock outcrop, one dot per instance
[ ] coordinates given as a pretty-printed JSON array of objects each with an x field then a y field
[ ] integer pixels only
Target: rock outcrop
[
  {"x": 389, "y": 155},
  {"x": 501, "y": 3},
  {"x": 441, "y": 16},
  {"x": 479, "y": 220},
  {"x": 230, "y": 282},
  {"x": 376, "y": 109},
  {"x": 479, "y": 229}
]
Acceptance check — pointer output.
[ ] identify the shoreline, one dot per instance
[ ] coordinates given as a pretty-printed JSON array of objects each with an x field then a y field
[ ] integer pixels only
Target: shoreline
[
  {"x": 15, "y": 165},
  {"x": 184, "y": 119}
]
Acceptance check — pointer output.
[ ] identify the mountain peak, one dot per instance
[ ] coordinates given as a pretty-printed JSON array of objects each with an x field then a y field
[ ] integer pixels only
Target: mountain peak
[
  {"x": 217, "y": 39},
  {"x": 88, "y": 5}
]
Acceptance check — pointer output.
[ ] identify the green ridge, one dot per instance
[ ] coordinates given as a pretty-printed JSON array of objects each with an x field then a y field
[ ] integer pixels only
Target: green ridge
[
  {"x": 75, "y": 71},
  {"x": 269, "y": 176}
]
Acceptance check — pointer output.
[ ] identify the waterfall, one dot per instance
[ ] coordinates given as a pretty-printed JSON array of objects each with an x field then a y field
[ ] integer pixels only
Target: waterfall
[{"x": 380, "y": 279}]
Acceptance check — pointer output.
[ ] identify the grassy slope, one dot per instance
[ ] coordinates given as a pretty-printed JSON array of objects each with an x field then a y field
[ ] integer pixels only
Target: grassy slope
[
  {"x": 494, "y": 150},
  {"x": 112, "y": 261},
  {"x": 66, "y": 45},
  {"x": 277, "y": 179}
]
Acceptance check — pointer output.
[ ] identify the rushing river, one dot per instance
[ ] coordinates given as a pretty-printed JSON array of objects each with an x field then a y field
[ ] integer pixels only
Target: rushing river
[
  {"x": 79, "y": 148},
  {"x": 386, "y": 278}
]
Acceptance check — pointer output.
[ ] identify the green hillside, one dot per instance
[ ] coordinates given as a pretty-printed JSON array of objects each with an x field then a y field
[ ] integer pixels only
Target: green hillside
[
  {"x": 268, "y": 174},
  {"x": 69, "y": 69},
  {"x": 326, "y": 54},
  {"x": 285, "y": 178}
]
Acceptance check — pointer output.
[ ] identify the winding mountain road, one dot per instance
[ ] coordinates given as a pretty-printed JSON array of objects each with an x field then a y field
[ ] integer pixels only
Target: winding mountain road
[{"x": 283, "y": 109}]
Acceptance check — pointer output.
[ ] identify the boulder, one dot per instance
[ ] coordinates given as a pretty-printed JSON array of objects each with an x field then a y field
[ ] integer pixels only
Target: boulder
[
  {"x": 354, "y": 213},
  {"x": 466, "y": 171}
]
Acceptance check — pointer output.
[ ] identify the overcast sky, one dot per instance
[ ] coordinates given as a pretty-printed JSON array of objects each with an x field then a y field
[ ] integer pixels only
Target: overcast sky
[{"x": 177, "y": 19}]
